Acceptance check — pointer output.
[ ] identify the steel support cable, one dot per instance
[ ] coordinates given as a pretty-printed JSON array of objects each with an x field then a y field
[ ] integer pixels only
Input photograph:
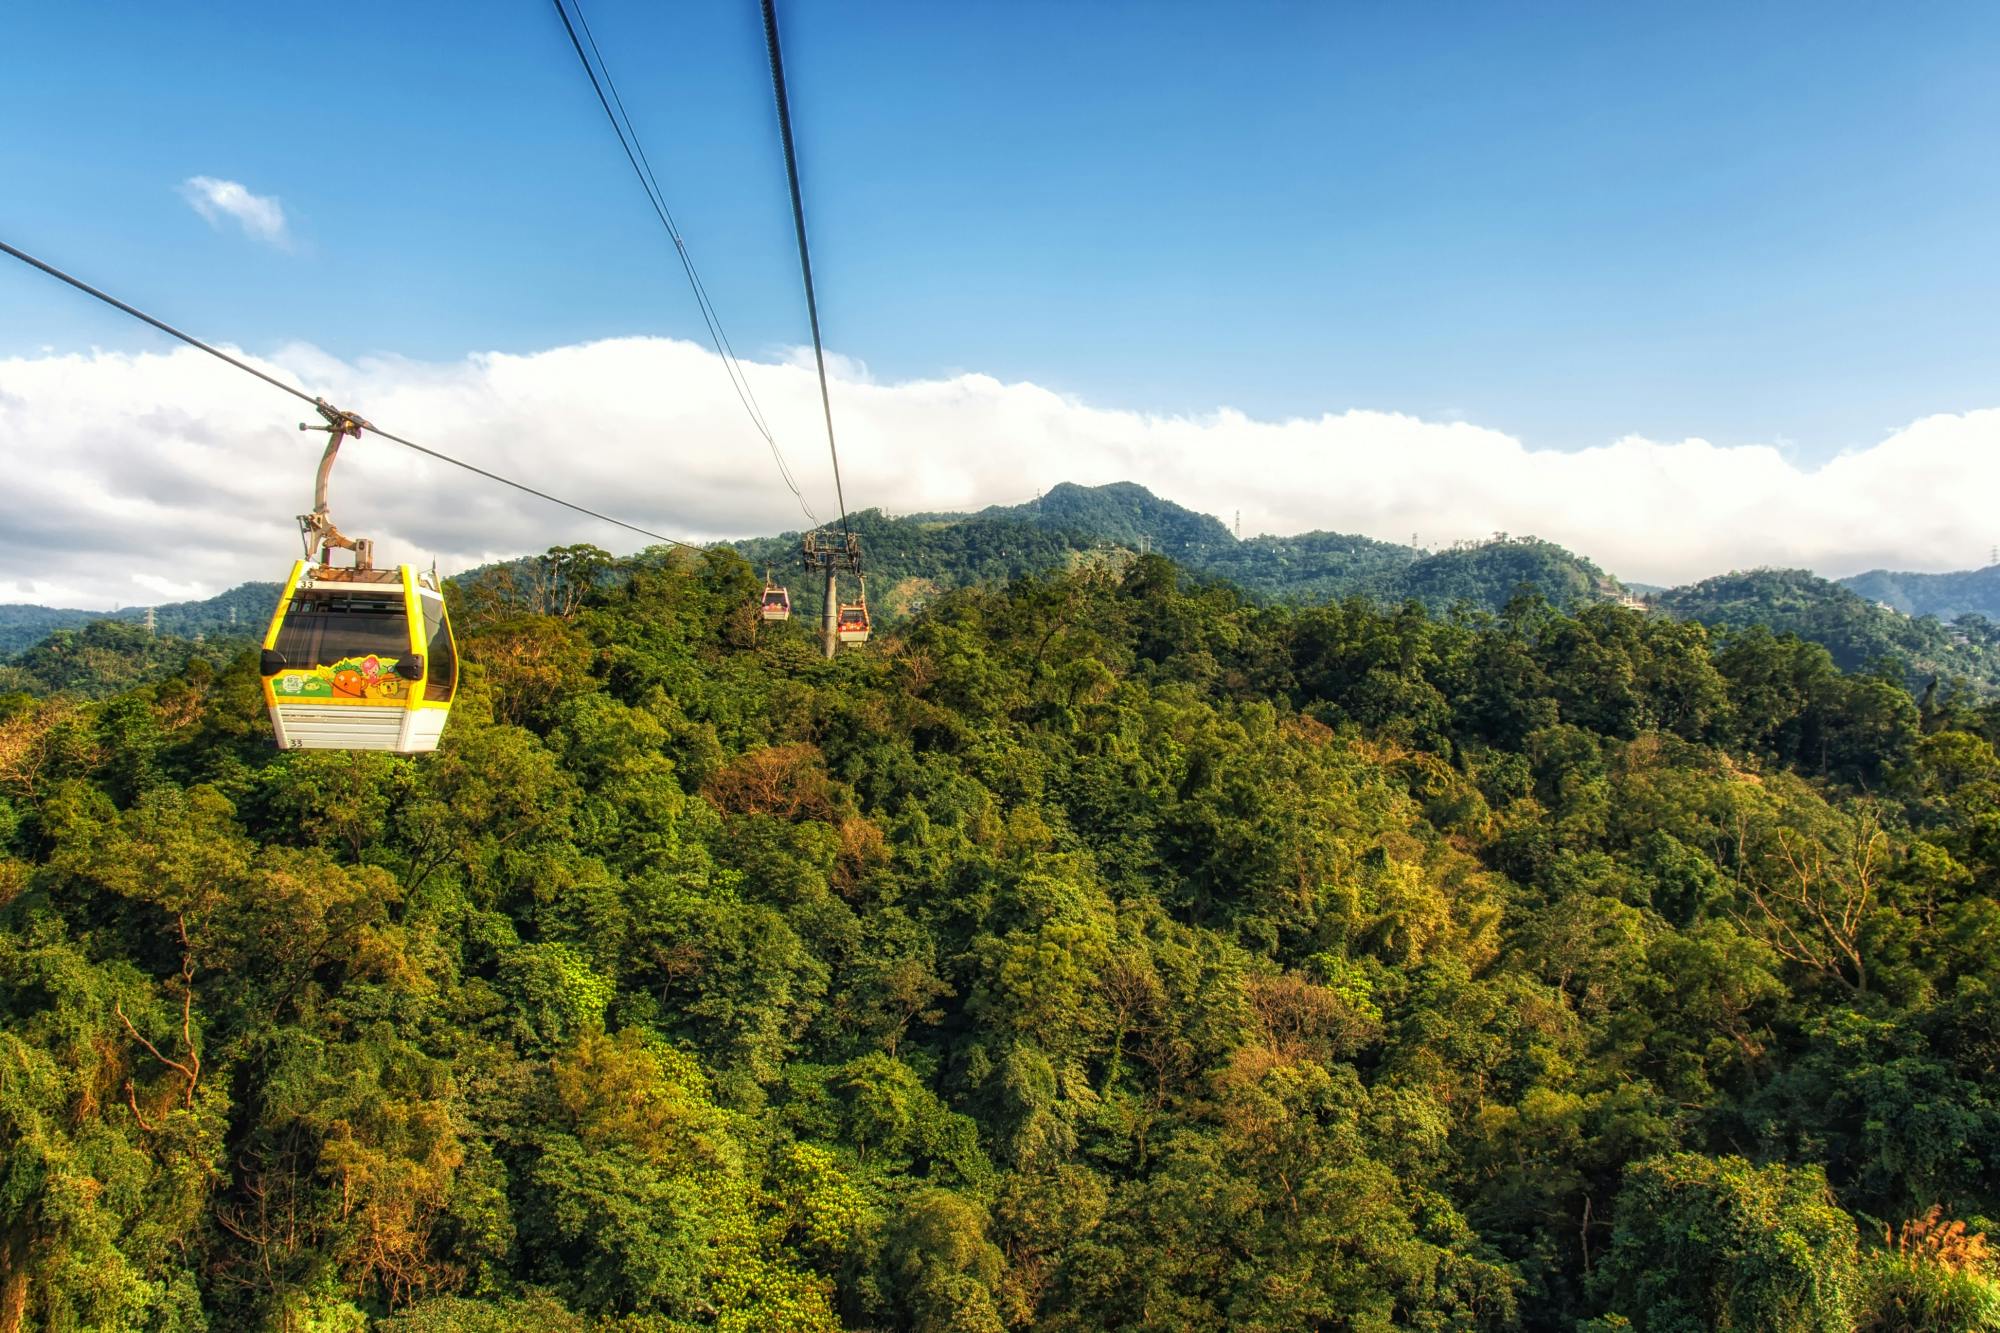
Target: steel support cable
[
  {"x": 303, "y": 396},
  {"x": 642, "y": 166},
  {"x": 624, "y": 126},
  {"x": 161, "y": 325},
  {"x": 805, "y": 255}
]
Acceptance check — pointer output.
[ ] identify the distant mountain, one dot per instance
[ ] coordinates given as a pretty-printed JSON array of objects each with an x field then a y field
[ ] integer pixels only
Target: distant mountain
[
  {"x": 1312, "y": 566},
  {"x": 103, "y": 656},
  {"x": 44, "y": 651},
  {"x": 911, "y": 559},
  {"x": 1857, "y": 632},
  {"x": 1123, "y": 513},
  {"x": 22, "y": 624},
  {"x": 1946, "y": 596},
  {"x": 1490, "y": 573},
  {"x": 242, "y": 612}
]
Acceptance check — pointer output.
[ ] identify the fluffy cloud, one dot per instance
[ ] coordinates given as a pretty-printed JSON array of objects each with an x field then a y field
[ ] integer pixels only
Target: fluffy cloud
[
  {"x": 132, "y": 475},
  {"x": 261, "y": 216}
]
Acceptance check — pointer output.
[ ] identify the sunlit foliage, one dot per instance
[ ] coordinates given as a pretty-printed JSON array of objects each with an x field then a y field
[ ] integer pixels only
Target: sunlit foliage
[{"x": 1101, "y": 951}]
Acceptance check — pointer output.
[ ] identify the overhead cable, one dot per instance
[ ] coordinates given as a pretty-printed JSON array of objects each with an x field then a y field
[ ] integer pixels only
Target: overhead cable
[
  {"x": 805, "y": 255},
  {"x": 303, "y": 396},
  {"x": 635, "y": 152}
]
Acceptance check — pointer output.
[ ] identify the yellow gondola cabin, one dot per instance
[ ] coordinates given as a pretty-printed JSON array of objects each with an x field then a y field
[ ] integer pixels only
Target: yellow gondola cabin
[{"x": 359, "y": 659}]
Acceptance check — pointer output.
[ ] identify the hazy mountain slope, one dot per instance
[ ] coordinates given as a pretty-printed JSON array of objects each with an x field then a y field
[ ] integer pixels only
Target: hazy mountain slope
[
  {"x": 908, "y": 560},
  {"x": 1313, "y": 566},
  {"x": 1488, "y": 574},
  {"x": 104, "y": 656},
  {"x": 1946, "y": 596},
  {"x": 22, "y": 623},
  {"x": 241, "y": 612},
  {"x": 1857, "y": 632}
]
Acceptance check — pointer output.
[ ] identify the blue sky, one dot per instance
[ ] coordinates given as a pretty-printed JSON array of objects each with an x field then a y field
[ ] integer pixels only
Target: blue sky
[{"x": 1566, "y": 222}]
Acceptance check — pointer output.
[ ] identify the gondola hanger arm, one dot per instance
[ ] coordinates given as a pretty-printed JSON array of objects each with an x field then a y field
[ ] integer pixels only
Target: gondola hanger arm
[{"x": 317, "y": 529}]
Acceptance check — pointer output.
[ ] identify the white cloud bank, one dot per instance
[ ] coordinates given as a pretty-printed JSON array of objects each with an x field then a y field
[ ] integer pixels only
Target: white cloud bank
[
  {"x": 132, "y": 476},
  {"x": 261, "y": 216}
]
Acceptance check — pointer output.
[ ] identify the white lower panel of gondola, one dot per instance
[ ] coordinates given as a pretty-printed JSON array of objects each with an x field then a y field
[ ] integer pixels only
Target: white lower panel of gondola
[{"x": 317, "y": 727}]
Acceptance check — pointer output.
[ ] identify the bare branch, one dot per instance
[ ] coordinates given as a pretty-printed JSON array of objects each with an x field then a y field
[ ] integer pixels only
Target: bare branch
[
  {"x": 132, "y": 1100},
  {"x": 137, "y": 1036}
]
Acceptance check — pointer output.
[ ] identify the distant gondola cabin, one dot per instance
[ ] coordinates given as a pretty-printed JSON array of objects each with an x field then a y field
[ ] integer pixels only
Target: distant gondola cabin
[
  {"x": 359, "y": 659},
  {"x": 852, "y": 624}
]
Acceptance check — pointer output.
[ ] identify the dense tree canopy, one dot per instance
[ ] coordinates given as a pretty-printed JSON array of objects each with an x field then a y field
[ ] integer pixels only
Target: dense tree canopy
[
  {"x": 1100, "y": 951},
  {"x": 1858, "y": 633}
]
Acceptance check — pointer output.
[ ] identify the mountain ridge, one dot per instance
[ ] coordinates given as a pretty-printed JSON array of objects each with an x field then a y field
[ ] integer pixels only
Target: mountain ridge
[
  {"x": 913, "y": 557},
  {"x": 1948, "y": 596},
  {"x": 237, "y": 611}
]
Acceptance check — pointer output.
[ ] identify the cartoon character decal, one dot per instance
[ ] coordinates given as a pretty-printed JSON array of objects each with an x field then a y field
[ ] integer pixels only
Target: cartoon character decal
[{"x": 354, "y": 679}]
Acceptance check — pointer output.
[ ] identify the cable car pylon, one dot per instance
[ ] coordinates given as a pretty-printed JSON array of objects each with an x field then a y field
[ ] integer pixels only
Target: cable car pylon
[{"x": 840, "y": 622}]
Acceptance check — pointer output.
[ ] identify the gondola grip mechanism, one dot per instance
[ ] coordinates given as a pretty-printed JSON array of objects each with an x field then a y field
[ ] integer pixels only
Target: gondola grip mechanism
[{"x": 317, "y": 528}]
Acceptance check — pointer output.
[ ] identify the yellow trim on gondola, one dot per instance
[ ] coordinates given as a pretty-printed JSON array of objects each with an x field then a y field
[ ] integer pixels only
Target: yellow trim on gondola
[
  {"x": 284, "y": 603},
  {"x": 420, "y": 692},
  {"x": 359, "y": 701},
  {"x": 413, "y": 613},
  {"x": 384, "y": 690},
  {"x": 278, "y": 623}
]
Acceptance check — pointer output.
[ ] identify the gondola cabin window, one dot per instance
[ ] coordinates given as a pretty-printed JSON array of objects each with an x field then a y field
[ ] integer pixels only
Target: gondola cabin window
[
  {"x": 323, "y": 628},
  {"x": 442, "y": 657}
]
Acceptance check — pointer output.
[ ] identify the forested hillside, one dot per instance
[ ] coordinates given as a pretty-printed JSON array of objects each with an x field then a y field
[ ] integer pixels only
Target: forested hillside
[
  {"x": 102, "y": 657},
  {"x": 1121, "y": 513},
  {"x": 1104, "y": 951},
  {"x": 1946, "y": 596},
  {"x": 1071, "y": 527},
  {"x": 1855, "y": 631},
  {"x": 913, "y": 559},
  {"x": 239, "y": 612},
  {"x": 1309, "y": 567},
  {"x": 22, "y": 623}
]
